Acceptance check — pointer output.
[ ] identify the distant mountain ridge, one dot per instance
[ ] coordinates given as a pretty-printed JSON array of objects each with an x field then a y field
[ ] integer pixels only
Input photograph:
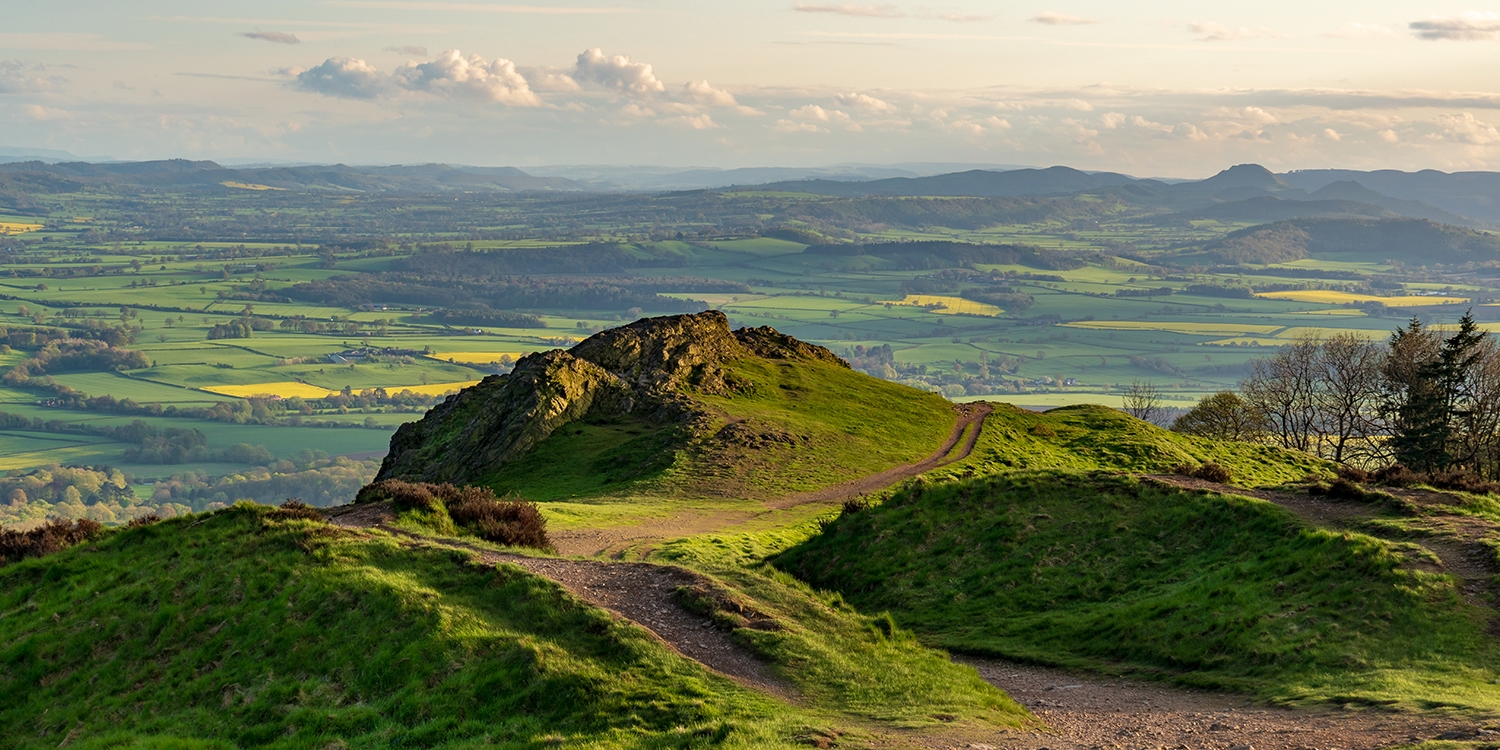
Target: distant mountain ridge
[{"x": 184, "y": 173}]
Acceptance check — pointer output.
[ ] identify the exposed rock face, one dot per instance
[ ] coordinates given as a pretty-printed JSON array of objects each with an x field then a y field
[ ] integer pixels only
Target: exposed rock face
[{"x": 647, "y": 369}]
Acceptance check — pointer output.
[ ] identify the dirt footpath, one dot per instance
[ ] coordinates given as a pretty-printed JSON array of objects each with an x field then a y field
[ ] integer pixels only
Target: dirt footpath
[{"x": 1086, "y": 711}]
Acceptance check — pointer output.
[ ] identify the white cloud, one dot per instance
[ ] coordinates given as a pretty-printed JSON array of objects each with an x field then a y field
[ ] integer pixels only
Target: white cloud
[
  {"x": 1469, "y": 27},
  {"x": 1208, "y": 31},
  {"x": 410, "y": 49},
  {"x": 1332, "y": 135},
  {"x": 455, "y": 76},
  {"x": 40, "y": 113},
  {"x": 1358, "y": 30},
  {"x": 549, "y": 79},
  {"x": 616, "y": 72},
  {"x": 791, "y": 126},
  {"x": 345, "y": 77},
  {"x": 1051, "y": 18},
  {"x": 814, "y": 112},
  {"x": 696, "y": 122},
  {"x": 865, "y": 102},
  {"x": 275, "y": 37},
  {"x": 703, "y": 92},
  {"x": 636, "y": 110},
  {"x": 1112, "y": 120},
  {"x": 1465, "y": 128},
  {"x": 450, "y": 75},
  {"x": 1389, "y": 136},
  {"x": 849, "y": 9},
  {"x": 20, "y": 77}
]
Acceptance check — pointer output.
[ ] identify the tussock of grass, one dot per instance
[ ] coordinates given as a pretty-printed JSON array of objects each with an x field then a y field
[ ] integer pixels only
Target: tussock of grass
[
  {"x": 1089, "y": 438},
  {"x": 235, "y": 630},
  {"x": 1105, "y": 572}
]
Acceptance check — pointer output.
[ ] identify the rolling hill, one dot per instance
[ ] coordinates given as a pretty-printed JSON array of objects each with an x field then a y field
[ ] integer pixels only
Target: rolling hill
[
  {"x": 671, "y": 406},
  {"x": 1412, "y": 241}
]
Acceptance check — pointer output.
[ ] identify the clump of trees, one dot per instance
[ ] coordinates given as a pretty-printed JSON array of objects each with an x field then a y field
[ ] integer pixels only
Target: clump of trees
[{"x": 1422, "y": 400}]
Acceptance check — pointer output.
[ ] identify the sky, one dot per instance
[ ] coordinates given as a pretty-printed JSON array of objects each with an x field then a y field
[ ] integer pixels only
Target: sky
[{"x": 1166, "y": 88}]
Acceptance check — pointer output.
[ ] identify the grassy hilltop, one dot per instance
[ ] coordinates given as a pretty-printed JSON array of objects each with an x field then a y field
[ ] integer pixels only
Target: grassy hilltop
[{"x": 1039, "y": 540}]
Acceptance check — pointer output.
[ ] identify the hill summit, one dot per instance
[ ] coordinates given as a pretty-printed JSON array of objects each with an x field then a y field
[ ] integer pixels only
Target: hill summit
[{"x": 629, "y": 404}]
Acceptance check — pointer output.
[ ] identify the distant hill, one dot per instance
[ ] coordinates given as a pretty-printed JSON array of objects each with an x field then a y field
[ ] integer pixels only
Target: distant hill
[
  {"x": 1413, "y": 241},
  {"x": 667, "y": 406},
  {"x": 207, "y": 175},
  {"x": 978, "y": 183},
  {"x": 1268, "y": 208},
  {"x": 1472, "y": 194}
]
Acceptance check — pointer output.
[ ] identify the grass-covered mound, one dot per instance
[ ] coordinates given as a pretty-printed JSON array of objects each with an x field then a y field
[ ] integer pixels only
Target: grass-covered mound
[
  {"x": 1089, "y": 437},
  {"x": 1108, "y": 572},
  {"x": 252, "y": 627},
  {"x": 677, "y": 406}
]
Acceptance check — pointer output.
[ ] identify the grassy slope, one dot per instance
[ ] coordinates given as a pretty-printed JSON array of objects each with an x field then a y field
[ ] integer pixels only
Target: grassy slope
[
  {"x": 1087, "y": 438},
  {"x": 847, "y": 425},
  {"x": 236, "y": 630},
  {"x": 1104, "y": 572}
]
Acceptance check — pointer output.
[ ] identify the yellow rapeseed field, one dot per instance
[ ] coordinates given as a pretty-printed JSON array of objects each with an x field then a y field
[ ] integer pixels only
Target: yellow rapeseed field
[
  {"x": 1327, "y": 296},
  {"x": 950, "y": 305},
  {"x": 291, "y": 389},
  {"x": 1200, "y": 329},
  {"x": 18, "y": 227},
  {"x": 284, "y": 389},
  {"x": 475, "y": 358},
  {"x": 435, "y": 389},
  {"x": 248, "y": 186}
]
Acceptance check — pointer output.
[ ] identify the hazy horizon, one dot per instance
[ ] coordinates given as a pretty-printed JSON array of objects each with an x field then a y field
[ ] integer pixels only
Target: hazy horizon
[{"x": 1163, "y": 88}]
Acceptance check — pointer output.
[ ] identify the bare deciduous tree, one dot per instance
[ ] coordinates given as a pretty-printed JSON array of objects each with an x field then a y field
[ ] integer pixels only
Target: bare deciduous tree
[
  {"x": 1347, "y": 387},
  {"x": 1283, "y": 387},
  {"x": 1143, "y": 401}
]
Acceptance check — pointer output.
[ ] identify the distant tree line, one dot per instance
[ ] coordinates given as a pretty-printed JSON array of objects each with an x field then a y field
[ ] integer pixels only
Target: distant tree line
[
  {"x": 497, "y": 292},
  {"x": 1422, "y": 400}
]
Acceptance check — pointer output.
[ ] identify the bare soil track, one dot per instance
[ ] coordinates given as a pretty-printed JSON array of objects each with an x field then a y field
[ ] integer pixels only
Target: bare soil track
[
  {"x": 642, "y": 593},
  {"x": 970, "y": 423},
  {"x": 1089, "y": 711},
  {"x": 638, "y": 539}
]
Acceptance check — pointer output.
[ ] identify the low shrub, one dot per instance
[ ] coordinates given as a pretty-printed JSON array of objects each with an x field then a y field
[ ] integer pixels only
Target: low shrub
[
  {"x": 509, "y": 521},
  {"x": 1184, "y": 470},
  {"x": 1354, "y": 474},
  {"x": 1396, "y": 475},
  {"x": 1463, "y": 481},
  {"x": 1212, "y": 472},
  {"x": 855, "y": 504},
  {"x": 53, "y": 536},
  {"x": 294, "y": 509},
  {"x": 1041, "y": 430},
  {"x": 145, "y": 520},
  {"x": 1343, "y": 489},
  {"x": 404, "y": 495}
]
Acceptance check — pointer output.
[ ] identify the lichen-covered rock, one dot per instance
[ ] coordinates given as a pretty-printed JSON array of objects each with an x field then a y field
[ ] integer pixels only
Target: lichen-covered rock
[{"x": 646, "y": 370}]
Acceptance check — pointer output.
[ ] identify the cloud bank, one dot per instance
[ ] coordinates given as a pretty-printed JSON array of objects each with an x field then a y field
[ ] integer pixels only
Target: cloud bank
[
  {"x": 275, "y": 37},
  {"x": 1469, "y": 27}
]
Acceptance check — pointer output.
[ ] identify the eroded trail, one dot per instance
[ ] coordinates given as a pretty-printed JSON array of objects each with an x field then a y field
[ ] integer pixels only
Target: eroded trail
[
  {"x": 616, "y": 541},
  {"x": 1086, "y": 711},
  {"x": 643, "y": 593},
  {"x": 970, "y": 423}
]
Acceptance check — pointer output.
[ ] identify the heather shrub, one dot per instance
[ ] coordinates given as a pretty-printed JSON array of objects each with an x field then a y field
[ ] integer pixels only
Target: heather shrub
[
  {"x": 404, "y": 495},
  {"x": 53, "y": 536},
  {"x": 510, "y": 521},
  {"x": 293, "y": 509},
  {"x": 145, "y": 520}
]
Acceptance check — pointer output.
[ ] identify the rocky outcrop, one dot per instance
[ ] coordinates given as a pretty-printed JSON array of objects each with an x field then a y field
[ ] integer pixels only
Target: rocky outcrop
[{"x": 646, "y": 370}]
